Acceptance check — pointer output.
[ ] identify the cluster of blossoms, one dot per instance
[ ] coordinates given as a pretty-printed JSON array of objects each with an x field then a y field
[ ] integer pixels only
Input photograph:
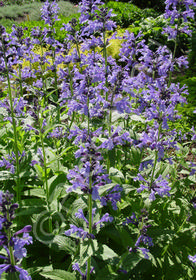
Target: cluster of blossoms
[
  {"x": 18, "y": 108},
  {"x": 177, "y": 11},
  {"x": 88, "y": 180},
  {"x": 76, "y": 267},
  {"x": 80, "y": 232},
  {"x": 158, "y": 186},
  {"x": 152, "y": 95},
  {"x": 13, "y": 49},
  {"x": 141, "y": 224},
  {"x": 49, "y": 12},
  {"x": 9, "y": 162},
  {"x": 192, "y": 258},
  {"x": 83, "y": 83},
  {"x": 12, "y": 243}
]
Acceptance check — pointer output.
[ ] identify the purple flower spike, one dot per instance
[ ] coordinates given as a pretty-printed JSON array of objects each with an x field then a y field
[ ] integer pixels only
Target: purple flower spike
[
  {"x": 25, "y": 229},
  {"x": 113, "y": 196},
  {"x": 3, "y": 268},
  {"x": 131, "y": 220},
  {"x": 9, "y": 161},
  {"x": 106, "y": 218},
  {"x": 143, "y": 250},
  {"x": 159, "y": 186},
  {"x": 192, "y": 258},
  {"x": 76, "y": 267},
  {"x": 176, "y": 10},
  {"x": 49, "y": 12},
  {"x": 80, "y": 232},
  {"x": 23, "y": 273},
  {"x": 9, "y": 239},
  {"x": 1, "y": 195},
  {"x": 80, "y": 215}
]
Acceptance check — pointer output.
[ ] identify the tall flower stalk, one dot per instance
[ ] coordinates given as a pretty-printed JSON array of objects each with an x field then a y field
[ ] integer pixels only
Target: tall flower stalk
[
  {"x": 90, "y": 91},
  {"x": 6, "y": 53},
  {"x": 11, "y": 241},
  {"x": 49, "y": 14},
  {"x": 38, "y": 113}
]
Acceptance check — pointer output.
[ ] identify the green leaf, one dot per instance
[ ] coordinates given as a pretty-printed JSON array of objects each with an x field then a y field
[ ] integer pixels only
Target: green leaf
[
  {"x": 104, "y": 252},
  {"x": 5, "y": 175},
  {"x": 108, "y": 274},
  {"x": 58, "y": 274},
  {"x": 137, "y": 118},
  {"x": 131, "y": 261},
  {"x": 63, "y": 243},
  {"x": 36, "y": 192},
  {"x": 39, "y": 171},
  {"x": 87, "y": 249},
  {"x": 112, "y": 157},
  {"x": 31, "y": 206},
  {"x": 56, "y": 182},
  {"x": 116, "y": 175},
  {"x": 92, "y": 248},
  {"x": 106, "y": 188}
]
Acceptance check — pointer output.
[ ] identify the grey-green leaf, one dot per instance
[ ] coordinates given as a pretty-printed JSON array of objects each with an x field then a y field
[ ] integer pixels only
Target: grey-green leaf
[{"x": 58, "y": 274}]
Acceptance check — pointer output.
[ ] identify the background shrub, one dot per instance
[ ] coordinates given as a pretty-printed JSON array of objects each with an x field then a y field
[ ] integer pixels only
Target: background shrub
[
  {"x": 158, "y": 4},
  {"x": 192, "y": 56},
  {"x": 59, "y": 35},
  {"x": 33, "y": 11},
  {"x": 126, "y": 13}
]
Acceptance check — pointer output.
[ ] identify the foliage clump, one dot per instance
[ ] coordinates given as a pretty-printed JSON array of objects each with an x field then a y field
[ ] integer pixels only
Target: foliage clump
[{"x": 94, "y": 150}]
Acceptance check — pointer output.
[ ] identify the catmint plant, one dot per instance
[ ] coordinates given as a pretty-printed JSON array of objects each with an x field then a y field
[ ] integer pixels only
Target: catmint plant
[
  {"x": 114, "y": 117},
  {"x": 12, "y": 242},
  {"x": 179, "y": 13},
  {"x": 7, "y": 60},
  {"x": 17, "y": 40},
  {"x": 158, "y": 96},
  {"x": 49, "y": 13},
  {"x": 89, "y": 180},
  {"x": 39, "y": 115}
]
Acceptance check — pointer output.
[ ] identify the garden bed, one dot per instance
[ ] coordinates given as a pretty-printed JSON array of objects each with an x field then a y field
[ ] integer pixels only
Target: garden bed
[{"x": 97, "y": 168}]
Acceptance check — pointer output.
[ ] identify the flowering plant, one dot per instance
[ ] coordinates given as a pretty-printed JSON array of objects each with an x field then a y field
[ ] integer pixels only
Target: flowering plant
[{"x": 89, "y": 145}]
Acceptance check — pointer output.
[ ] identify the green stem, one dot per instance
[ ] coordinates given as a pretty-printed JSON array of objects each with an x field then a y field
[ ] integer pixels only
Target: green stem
[
  {"x": 109, "y": 130},
  {"x": 42, "y": 66},
  {"x": 20, "y": 80},
  {"x": 40, "y": 121},
  {"x": 78, "y": 49},
  {"x": 121, "y": 260},
  {"x": 184, "y": 221},
  {"x": 126, "y": 124},
  {"x": 58, "y": 156},
  {"x": 156, "y": 158},
  {"x": 18, "y": 191},
  {"x": 11, "y": 275},
  {"x": 90, "y": 209},
  {"x": 105, "y": 58},
  {"x": 45, "y": 170},
  {"x": 173, "y": 55},
  {"x": 56, "y": 85},
  {"x": 12, "y": 259},
  {"x": 88, "y": 115},
  {"x": 72, "y": 119},
  {"x": 46, "y": 180},
  {"x": 90, "y": 201},
  {"x": 70, "y": 80},
  {"x": 72, "y": 93}
]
